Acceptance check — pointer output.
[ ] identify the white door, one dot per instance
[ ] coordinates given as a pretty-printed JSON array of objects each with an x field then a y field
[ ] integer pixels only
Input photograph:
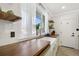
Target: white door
[{"x": 68, "y": 32}]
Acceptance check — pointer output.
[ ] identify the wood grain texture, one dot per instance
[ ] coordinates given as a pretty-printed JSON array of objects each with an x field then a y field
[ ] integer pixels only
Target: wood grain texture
[
  {"x": 8, "y": 17},
  {"x": 25, "y": 48}
]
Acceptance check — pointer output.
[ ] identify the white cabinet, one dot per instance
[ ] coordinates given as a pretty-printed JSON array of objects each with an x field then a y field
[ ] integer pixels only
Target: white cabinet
[{"x": 52, "y": 49}]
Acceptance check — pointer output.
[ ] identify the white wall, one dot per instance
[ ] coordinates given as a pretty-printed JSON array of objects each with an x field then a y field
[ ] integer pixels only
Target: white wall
[
  {"x": 22, "y": 28},
  {"x": 6, "y": 26},
  {"x": 28, "y": 14},
  {"x": 46, "y": 23},
  {"x": 73, "y": 18}
]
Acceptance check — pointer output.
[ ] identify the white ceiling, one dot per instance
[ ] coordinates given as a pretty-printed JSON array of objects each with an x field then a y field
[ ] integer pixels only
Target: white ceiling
[{"x": 56, "y": 8}]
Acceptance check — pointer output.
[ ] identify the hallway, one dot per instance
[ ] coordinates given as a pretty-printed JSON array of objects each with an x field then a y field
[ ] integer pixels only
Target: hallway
[{"x": 64, "y": 51}]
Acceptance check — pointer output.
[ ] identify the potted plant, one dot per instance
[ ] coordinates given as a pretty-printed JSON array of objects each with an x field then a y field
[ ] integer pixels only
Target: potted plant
[{"x": 37, "y": 28}]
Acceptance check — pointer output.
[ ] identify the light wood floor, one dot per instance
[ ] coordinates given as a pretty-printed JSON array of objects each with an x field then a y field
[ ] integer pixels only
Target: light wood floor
[{"x": 65, "y": 51}]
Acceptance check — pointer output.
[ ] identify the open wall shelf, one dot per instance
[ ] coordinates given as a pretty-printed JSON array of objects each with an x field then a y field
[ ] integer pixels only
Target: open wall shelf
[{"x": 9, "y": 17}]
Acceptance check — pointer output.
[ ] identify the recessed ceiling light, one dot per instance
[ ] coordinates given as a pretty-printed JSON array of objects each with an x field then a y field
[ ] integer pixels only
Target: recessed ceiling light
[{"x": 63, "y": 7}]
